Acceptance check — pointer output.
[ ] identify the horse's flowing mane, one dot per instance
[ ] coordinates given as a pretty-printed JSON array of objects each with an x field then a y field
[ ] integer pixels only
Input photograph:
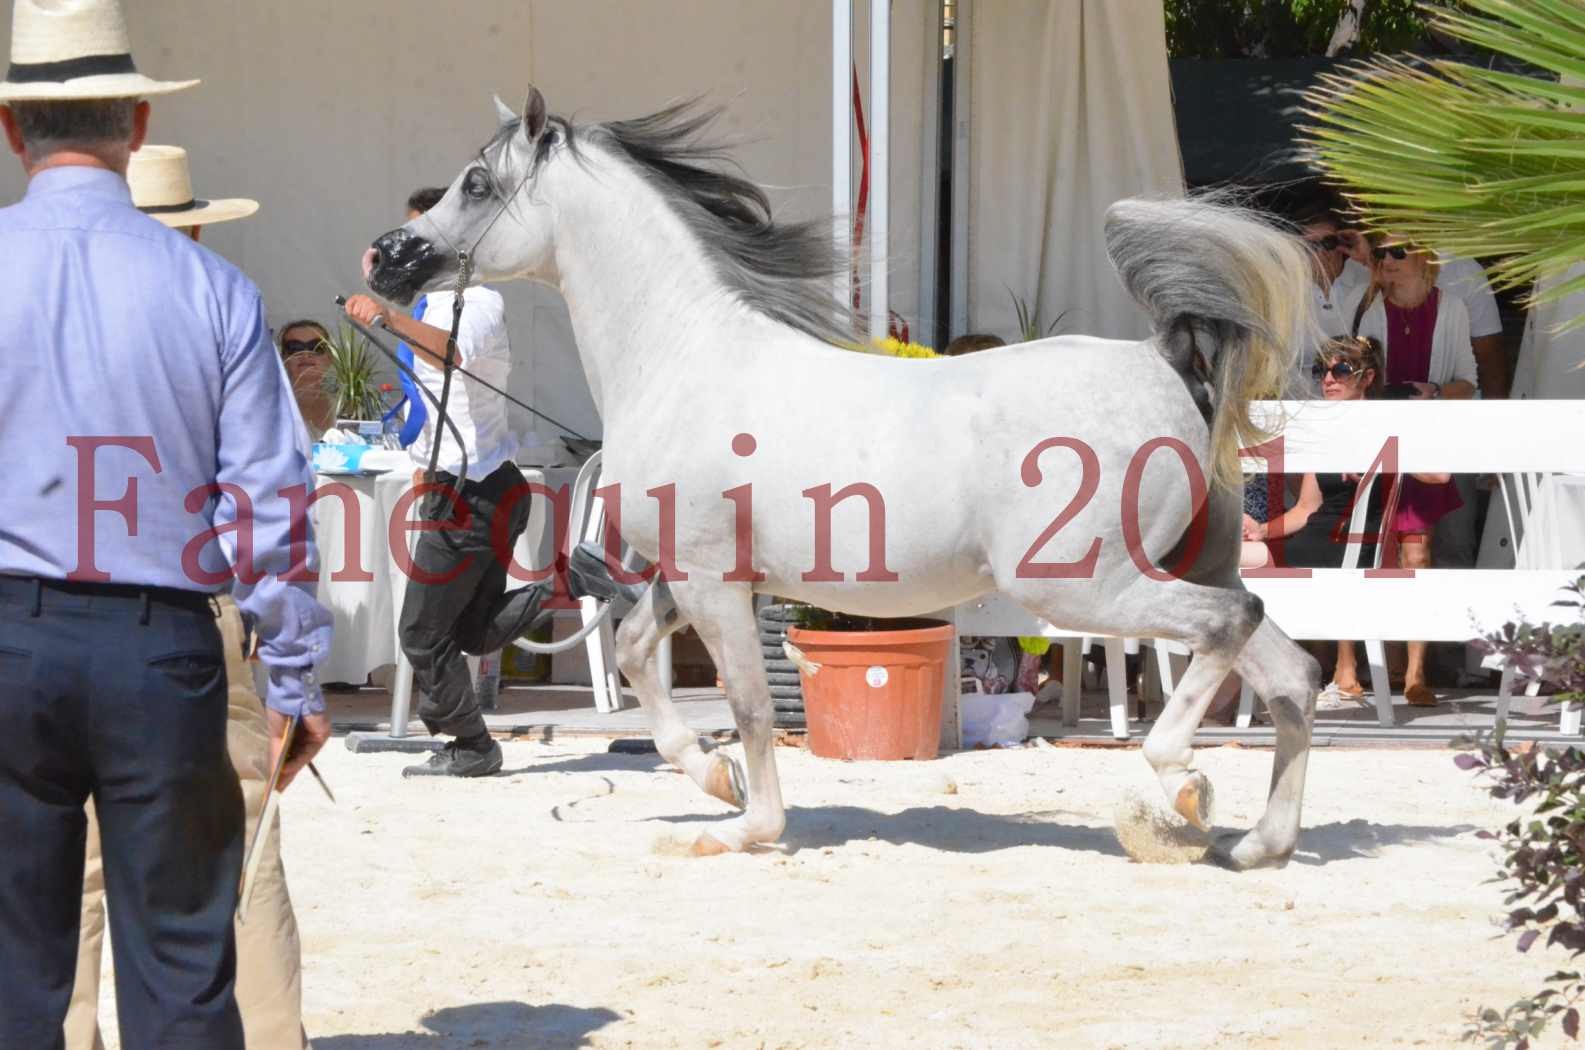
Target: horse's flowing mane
[{"x": 786, "y": 271}]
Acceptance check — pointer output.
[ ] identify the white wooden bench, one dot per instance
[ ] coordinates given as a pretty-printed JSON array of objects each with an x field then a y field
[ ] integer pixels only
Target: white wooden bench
[{"x": 1375, "y": 606}]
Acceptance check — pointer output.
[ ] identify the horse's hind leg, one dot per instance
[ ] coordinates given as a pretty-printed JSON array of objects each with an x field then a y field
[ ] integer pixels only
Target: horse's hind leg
[
  {"x": 723, "y": 614},
  {"x": 654, "y": 618},
  {"x": 1214, "y": 622},
  {"x": 1287, "y": 678}
]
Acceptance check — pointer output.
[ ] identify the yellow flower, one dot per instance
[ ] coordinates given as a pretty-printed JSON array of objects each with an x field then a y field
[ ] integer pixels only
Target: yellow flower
[{"x": 898, "y": 348}]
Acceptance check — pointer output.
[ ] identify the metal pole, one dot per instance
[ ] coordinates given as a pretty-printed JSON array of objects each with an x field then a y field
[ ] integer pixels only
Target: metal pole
[
  {"x": 880, "y": 160},
  {"x": 842, "y": 136}
]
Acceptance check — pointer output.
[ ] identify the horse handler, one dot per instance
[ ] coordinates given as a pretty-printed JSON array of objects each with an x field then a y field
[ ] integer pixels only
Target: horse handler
[
  {"x": 145, "y": 412},
  {"x": 456, "y": 600},
  {"x": 269, "y": 954}
]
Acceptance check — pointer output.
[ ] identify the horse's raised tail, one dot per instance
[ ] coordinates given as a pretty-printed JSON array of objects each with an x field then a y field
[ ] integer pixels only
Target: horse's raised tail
[{"x": 1228, "y": 284}]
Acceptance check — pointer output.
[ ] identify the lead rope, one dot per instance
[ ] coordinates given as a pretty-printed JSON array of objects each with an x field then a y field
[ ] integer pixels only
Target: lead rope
[{"x": 464, "y": 275}]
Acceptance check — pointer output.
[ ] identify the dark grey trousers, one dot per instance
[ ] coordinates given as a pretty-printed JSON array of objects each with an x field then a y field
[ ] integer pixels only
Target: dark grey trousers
[
  {"x": 118, "y": 694},
  {"x": 457, "y": 602}
]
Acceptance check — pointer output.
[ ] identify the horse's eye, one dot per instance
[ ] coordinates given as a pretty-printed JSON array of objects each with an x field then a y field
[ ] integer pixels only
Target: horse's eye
[{"x": 476, "y": 185}]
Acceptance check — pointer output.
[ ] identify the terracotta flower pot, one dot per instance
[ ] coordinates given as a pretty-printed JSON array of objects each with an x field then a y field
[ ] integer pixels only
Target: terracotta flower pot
[{"x": 874, "y": 694}]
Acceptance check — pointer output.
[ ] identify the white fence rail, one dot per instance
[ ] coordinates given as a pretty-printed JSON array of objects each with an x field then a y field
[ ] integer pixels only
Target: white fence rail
[{"x": 1461, "y": 437}]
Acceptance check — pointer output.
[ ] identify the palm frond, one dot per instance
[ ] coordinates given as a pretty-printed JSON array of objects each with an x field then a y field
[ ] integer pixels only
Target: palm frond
[{"x": 1468, "y": 160}]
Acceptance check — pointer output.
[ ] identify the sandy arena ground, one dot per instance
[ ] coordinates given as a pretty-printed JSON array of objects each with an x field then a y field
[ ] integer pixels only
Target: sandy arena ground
[{"x": 976, "y": 902}]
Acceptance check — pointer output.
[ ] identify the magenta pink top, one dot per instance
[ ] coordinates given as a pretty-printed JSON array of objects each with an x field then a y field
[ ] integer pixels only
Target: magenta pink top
[{"x": 1409, "y": 332}]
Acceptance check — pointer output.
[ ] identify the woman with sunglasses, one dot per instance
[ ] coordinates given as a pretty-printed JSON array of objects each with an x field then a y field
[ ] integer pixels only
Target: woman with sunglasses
[
  {"x": 307, "y": 365},
  {"x": 1425, "y": 331},
  {"x": 1344, "y": 370}
]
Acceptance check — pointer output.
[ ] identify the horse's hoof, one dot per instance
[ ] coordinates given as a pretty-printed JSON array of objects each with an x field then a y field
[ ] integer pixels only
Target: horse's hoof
[
  {"x": 1194, "y": 800},
  {"x": 726, "y": 783},
  {"x": 707, "y": 845},
  {"x": 1246, "y": 851}
]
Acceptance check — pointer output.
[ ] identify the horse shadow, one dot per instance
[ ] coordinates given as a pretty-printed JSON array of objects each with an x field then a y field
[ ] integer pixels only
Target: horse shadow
[
  {"x": 500, "y": 1025},
  {"x": 1361, "y": 839},
  {"x": 955, "y": 830},
  {"x": 601, "y": 762},
  {"x": 964, "y": 830}
]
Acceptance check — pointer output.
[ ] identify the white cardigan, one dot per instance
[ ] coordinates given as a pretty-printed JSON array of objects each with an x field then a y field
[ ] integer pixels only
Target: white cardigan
[{"x": 1452, "y": 355}]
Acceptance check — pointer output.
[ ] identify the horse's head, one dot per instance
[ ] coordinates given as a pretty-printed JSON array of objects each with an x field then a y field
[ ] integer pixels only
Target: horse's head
[{"x": 489, "y": 211}]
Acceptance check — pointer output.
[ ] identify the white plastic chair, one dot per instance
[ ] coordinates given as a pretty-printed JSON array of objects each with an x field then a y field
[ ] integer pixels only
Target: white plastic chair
[
  {"x": 1074, "y": 647},
  {"x": 586, "y": 520},
  {"x": 1518, "y": 493}
]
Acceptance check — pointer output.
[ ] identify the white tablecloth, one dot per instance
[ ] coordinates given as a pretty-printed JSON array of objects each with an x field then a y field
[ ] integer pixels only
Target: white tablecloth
[
  {"x": 1554, "y": 537},
  {"x": 366, "y": 610}
]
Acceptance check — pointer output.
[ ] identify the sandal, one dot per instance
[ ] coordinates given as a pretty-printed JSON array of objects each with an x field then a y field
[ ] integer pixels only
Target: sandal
[{"x": 1419, "y": 696}]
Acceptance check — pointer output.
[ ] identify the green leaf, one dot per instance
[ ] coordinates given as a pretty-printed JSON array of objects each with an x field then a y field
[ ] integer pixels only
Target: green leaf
[{"x": 1471, "y": 161}]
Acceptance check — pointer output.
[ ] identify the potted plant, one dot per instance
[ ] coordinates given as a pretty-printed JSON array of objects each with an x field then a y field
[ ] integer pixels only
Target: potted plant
[
  {"x": 1030, "y": 327},
  {"x": 355, "y": 387},
  {"x": 871, "y": 686}
]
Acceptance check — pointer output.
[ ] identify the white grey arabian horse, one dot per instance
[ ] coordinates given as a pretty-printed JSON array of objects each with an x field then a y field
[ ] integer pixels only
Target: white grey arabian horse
[{"x": 699, "y": 319}]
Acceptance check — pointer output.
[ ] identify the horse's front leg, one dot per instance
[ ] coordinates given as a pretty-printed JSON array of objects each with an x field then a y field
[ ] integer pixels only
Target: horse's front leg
[
  {"x": 723, "y": 614},
  {"x": 643, "y": 629}
]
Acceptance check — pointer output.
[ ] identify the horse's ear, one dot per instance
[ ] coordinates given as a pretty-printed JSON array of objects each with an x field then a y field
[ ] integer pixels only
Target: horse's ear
[
  {"x": 503, "y": 112},
  {"x": 534, "y": 115}
]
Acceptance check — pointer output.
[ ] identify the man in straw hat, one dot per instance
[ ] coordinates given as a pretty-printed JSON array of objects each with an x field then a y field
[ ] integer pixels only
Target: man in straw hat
[
  {"x": 269, "y": 955},
  {"x": 147, "y": 417}
]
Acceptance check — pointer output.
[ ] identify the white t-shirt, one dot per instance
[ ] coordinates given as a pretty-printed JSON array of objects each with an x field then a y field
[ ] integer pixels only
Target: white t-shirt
[
  {"x": 1326, "y": 308},
  {"x": 1466, "y": 279},
  {"x": 479, "y": 413},
  {"x": 1326, "y": 305}
]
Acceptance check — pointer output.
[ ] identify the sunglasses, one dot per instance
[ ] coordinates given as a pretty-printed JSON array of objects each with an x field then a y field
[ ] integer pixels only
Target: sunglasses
[
  {"x": 1330, "y": 243},
  {"x": 1339, "y": 370},
  {"x": 300, "y": 346},
  {"x": 1397, "y": 251}
]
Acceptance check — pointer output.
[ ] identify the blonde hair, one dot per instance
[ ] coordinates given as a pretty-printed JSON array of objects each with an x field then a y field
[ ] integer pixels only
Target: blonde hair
[{"x": 1430, "y": 265}]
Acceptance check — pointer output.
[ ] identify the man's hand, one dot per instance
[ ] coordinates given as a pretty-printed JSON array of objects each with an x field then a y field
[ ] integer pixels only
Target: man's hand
[
  {"x": 312, "y": 733},
  {"x": 1357, "y": 247},
  {"x": 364, "y": 310}
]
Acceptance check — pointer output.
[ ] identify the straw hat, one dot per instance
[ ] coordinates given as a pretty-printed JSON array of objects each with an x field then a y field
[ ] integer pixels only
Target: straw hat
[
  {"x": 65, "y": 50},
  {"x": 163, "y": 188}
]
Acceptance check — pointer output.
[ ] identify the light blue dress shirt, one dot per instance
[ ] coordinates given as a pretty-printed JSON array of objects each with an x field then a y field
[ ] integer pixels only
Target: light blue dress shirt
[{"x": 137, "y": 363}]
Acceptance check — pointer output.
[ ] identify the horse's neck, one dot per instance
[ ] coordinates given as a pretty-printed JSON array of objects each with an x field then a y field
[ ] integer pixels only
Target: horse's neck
[{"x": 636, "y": 282}]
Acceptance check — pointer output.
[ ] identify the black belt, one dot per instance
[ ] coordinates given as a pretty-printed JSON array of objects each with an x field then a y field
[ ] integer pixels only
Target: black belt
[{"x": 30, "y": 588}]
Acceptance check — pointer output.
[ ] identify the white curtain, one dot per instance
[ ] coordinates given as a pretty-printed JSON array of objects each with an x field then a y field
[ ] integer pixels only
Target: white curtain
[{"x": 1071, "y": 109}]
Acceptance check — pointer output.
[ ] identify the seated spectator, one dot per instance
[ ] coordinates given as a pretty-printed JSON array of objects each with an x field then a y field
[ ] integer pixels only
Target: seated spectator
[
  {"x": 1312, "y": 530},
  {"x": 307, "y": 363},
  {"x": 1424, "y": 330},
  {"x": 1257, "y": 512},
  {"x": 968, "y": 344}
]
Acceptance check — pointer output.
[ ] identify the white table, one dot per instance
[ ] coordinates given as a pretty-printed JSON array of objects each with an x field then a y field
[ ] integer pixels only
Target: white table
[
  {"x": 359, "y": 580},
  {"x": 1554, "y": 535},
  {"x": 365, "y": 595}
]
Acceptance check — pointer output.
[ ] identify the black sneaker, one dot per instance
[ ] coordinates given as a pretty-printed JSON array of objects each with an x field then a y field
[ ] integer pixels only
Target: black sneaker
[
  {"x": 453, "y": 760},
  {"x": 588, "y": 576}
]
